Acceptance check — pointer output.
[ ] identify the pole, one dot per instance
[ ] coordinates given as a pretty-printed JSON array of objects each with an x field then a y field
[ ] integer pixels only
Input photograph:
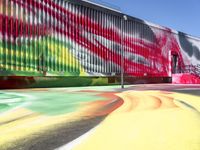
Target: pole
[{"x": 122, "y": 50}]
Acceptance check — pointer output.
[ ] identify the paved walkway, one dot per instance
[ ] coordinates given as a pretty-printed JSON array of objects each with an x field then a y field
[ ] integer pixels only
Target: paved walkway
[{"x": 139, "y": 117}]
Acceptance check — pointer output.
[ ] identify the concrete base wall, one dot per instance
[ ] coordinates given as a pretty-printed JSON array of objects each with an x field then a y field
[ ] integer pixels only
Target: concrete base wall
[{"x": 12, "y": 82}]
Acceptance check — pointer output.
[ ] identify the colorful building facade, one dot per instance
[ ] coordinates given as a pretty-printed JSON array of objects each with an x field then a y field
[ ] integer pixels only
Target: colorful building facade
[{"x": 76, "y": 40}]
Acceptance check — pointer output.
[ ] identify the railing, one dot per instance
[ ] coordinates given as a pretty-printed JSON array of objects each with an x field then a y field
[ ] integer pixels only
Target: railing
[
  {"x": 192, "y": 69},
  {"x": 197, "y": 70}
]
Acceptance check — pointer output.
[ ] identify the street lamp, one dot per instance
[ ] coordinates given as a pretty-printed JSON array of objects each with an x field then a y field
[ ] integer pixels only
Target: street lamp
[{"x": 123, "y": 19}]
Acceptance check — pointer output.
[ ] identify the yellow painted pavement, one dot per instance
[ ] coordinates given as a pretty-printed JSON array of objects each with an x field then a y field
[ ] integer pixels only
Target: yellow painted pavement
[
  {"x": 22, "y": 123},
  {"x": 149, "y": 120}
]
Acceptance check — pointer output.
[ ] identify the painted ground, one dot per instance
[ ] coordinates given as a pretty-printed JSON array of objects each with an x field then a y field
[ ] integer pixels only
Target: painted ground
[{"x": 141, "y": 117}]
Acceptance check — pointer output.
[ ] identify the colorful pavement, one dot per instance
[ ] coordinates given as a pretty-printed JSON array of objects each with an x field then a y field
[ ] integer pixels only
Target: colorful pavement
[{"x": 140, "y": 117}]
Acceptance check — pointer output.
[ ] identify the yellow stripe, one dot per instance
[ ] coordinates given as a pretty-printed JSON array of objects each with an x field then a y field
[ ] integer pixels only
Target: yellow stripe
[{"x": 68, "y": 56}]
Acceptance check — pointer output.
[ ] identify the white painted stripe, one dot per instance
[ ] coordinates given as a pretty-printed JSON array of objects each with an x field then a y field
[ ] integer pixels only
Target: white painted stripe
[{"x": 72, "y": 144}]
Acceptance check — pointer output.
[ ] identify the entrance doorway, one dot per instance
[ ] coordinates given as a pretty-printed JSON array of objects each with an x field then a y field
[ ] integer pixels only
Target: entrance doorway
[{"x": 175, "y": 64}]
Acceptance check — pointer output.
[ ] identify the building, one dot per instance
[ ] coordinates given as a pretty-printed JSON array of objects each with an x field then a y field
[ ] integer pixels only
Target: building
[{"x": 74, "y": 43}]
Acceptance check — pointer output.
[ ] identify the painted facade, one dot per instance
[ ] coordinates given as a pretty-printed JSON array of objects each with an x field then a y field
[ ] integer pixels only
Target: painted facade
[{"x": 75, "y": 38}]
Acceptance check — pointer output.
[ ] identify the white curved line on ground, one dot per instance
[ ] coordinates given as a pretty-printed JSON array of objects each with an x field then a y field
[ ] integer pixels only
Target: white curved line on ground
[{"x": 72, "y": 144}]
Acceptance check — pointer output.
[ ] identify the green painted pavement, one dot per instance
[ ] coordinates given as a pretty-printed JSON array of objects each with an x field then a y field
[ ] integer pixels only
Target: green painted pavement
[
  {"x": 48, "y": 103},
  {"x": 10, "y": 100},
  {"x": 52, "y": 101},
  {"x": 57, "y": 103}
]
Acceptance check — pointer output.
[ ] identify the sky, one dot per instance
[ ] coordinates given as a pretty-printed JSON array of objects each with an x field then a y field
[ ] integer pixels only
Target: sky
[{"x": 181, "y": 15}]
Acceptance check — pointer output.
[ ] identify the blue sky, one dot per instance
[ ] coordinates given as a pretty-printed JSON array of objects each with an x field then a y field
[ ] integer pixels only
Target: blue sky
[{"x": 181, "y": 15}]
